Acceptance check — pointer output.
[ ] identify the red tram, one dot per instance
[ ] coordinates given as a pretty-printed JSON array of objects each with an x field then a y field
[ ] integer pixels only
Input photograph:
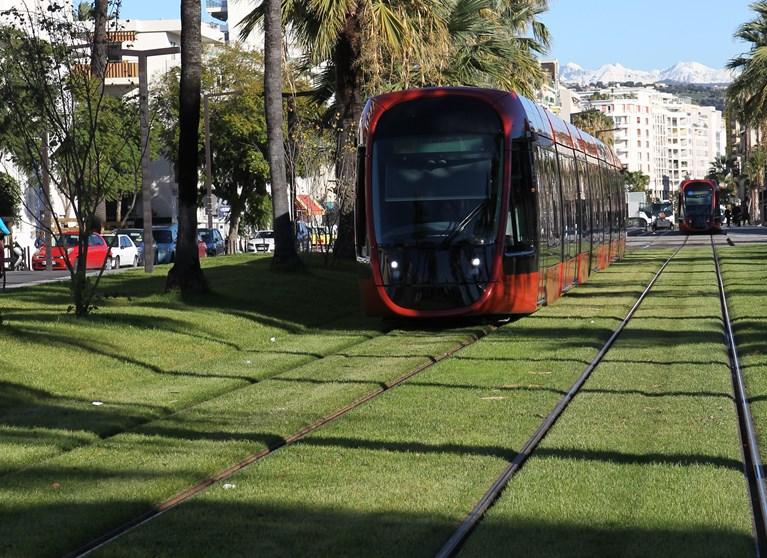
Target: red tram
[
  {"x": 477, "y": 201},
  {"x": 699, "y": 206}
]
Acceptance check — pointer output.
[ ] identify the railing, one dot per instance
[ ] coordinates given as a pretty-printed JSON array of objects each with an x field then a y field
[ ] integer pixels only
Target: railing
[
  {"x": 115, "y": 70},
  {"x": 122, "y": 70}
]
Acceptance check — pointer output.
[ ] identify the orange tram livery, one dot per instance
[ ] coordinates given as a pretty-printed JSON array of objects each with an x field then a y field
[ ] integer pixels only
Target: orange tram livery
[
  {"x": 699, "y": 206},
  {"x": 479, "y": 202}
]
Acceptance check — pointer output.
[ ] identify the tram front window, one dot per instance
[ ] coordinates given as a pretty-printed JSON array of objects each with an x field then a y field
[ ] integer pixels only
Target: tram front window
[
  {"x": 698, "y": 201},
  {"x": 438, "y": 190}
]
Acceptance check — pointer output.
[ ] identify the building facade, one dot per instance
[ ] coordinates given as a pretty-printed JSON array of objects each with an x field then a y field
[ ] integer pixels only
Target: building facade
[{"x": 664, "y": 136}]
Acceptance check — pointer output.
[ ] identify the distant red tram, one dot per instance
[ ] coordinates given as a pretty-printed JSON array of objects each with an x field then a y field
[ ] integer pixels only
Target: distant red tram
[
  {"x": 477, "y": 201},
  {"x": 699, "y": 209}
]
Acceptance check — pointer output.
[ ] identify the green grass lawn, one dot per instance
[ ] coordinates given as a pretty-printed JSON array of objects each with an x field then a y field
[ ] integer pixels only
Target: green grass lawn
[
  {"x": 646, "y": 460},
  {"x": 186, "y": 388},
  {"x": 394, "y": 477},
  {"x": 192, "y": 387},
  {"x": 745, "y": 279}
]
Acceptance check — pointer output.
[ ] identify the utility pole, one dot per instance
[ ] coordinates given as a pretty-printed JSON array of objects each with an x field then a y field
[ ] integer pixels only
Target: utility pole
[
  {"x": 48, "y": 208},
  {"x": 146, "y": 188}
]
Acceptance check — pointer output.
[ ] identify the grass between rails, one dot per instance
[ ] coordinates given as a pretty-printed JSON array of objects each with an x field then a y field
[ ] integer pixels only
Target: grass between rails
[
  {"x": 745, "y": 278},
  {"x": 397, "y": 475},
  {"x": 646, "y": 459},
  {"x": 88, "y": 484}
]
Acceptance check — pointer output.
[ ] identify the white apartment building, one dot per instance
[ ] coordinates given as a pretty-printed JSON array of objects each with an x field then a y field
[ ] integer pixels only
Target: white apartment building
[
  {"x": 666, "y": 137},
  {"x": 231, "y": 13}
]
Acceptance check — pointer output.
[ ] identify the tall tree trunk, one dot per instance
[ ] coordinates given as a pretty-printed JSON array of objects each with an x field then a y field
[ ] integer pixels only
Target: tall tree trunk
[
  {"x": 99, "y": 46},
  {"x": 99, "y": 61},
  {"x": 284, "y": 242},
  {"x": 186, "y": 273},
  {"x": 349, "y": 103},
  {"x": 232, "y": 239}
]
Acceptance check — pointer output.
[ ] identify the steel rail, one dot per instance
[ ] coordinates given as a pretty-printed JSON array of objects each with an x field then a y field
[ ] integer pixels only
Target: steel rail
[
  {"x": 180, "y": 497},
  {"x": 751, "y": 458},
  {"x": 459, "y": 536}
]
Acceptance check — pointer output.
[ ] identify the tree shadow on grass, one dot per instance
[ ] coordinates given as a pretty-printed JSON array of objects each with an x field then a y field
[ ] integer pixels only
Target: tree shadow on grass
[{"x": 240, "y": 527}]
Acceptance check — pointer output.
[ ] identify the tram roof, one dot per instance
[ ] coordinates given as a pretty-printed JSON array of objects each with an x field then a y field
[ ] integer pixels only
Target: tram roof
[{"x": 525, "y": 115}]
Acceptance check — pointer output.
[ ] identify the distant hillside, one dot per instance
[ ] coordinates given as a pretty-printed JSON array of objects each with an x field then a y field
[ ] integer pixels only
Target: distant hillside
[{"x": 704, "y": 95}]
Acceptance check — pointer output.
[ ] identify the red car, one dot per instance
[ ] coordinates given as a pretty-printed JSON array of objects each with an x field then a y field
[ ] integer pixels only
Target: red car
[{"x": 66, "y": 247}]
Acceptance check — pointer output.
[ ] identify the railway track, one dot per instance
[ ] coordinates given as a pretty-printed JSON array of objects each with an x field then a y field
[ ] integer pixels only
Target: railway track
[
  {"x": 181, "y": 497},
  {"x": 751, "y": 457},
  {"x": 752, "y": 464}
]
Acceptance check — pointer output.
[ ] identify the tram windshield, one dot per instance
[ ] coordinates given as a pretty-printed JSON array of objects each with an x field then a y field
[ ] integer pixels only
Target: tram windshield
[
  {"x": 698, "y": 200},
  {"x": 441, "y": 186}
]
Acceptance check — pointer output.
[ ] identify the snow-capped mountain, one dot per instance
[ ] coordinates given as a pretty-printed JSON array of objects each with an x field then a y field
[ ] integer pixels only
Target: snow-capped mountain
[{"x": 683, "y": 72}]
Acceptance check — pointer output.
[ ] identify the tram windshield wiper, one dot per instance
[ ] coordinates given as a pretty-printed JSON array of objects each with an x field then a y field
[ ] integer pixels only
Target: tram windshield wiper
[{"x": 461, "y": 225}]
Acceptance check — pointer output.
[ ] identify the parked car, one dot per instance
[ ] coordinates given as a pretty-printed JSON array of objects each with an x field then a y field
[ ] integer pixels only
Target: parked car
[
  {"x": 635, "y": 226},
  {"x": 65, "y": 248},
  {"x": 137, "y": 236},
  {"x": 213, "y": 240},
  {"x": 662, "y": 221},
  {"x": 165, "y": 238},
  {"x": 202, "y": 248},
  {"x": 123, "y": 250},
  {"x": 263, "y": 241}
]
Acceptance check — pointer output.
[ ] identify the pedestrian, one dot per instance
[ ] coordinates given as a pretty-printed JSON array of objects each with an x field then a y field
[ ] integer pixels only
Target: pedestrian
[
  {"x": 727, "y": 215},
  {"x": 737, "y": 215}
]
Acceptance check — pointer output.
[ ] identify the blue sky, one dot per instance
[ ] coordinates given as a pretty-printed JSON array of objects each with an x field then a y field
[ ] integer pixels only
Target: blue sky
[
  {"x": 645, "y": 34},
  {"x": 640, "y": 34}
]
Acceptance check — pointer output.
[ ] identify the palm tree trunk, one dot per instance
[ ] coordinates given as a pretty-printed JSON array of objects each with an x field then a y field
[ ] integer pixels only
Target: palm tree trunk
[
  {"x": 348, "y": 52},
  {"x": 284, "y": 243},
  {"x": 99, "y": 49},
  {"x": 186, "y": 273}
]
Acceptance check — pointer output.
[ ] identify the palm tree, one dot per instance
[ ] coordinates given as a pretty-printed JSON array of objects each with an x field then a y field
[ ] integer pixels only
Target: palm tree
[
  {"x": 747, "y": 95},
  {"x": 369, "y": 45},
  {"x": 284, "y": 241},
  {"x": 186, "y": 273}
]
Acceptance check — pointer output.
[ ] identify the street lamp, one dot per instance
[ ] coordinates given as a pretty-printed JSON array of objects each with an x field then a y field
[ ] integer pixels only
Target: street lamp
[{"x": 143, "y": 95}]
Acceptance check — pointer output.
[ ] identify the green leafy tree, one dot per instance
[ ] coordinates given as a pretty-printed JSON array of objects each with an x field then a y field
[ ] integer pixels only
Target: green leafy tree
[
  {"x": 258, "y": 213},
  {"x": 232, "y": 77},
  {"x": 53, "y": 102},
  {"x": 10, "y": 196},
  {"x": 636, "y": 181},
  {"x": 368, "y": 46}
]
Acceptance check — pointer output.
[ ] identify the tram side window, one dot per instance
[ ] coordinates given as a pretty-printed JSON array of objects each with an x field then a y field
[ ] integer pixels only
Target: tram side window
[
  {"x": 548, "y": 201},
  {"x": 584, "y": 200},
  {"x": 569, "y": 195},
  {"x": 597, "y": 205},
  {"x": 520, "y": 222}
]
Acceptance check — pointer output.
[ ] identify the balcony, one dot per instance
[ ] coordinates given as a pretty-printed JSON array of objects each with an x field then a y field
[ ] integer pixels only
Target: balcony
[
  {"x": 218, "y": 9},
  {"x": 118, "y": 72}
]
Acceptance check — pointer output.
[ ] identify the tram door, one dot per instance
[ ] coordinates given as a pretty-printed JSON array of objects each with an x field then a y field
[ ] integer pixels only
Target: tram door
[{"x": 549, "y": 225}]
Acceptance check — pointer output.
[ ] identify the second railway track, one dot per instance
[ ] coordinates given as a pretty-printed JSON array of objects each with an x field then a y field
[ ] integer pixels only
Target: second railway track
[{"x": 752, "y": 465}]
